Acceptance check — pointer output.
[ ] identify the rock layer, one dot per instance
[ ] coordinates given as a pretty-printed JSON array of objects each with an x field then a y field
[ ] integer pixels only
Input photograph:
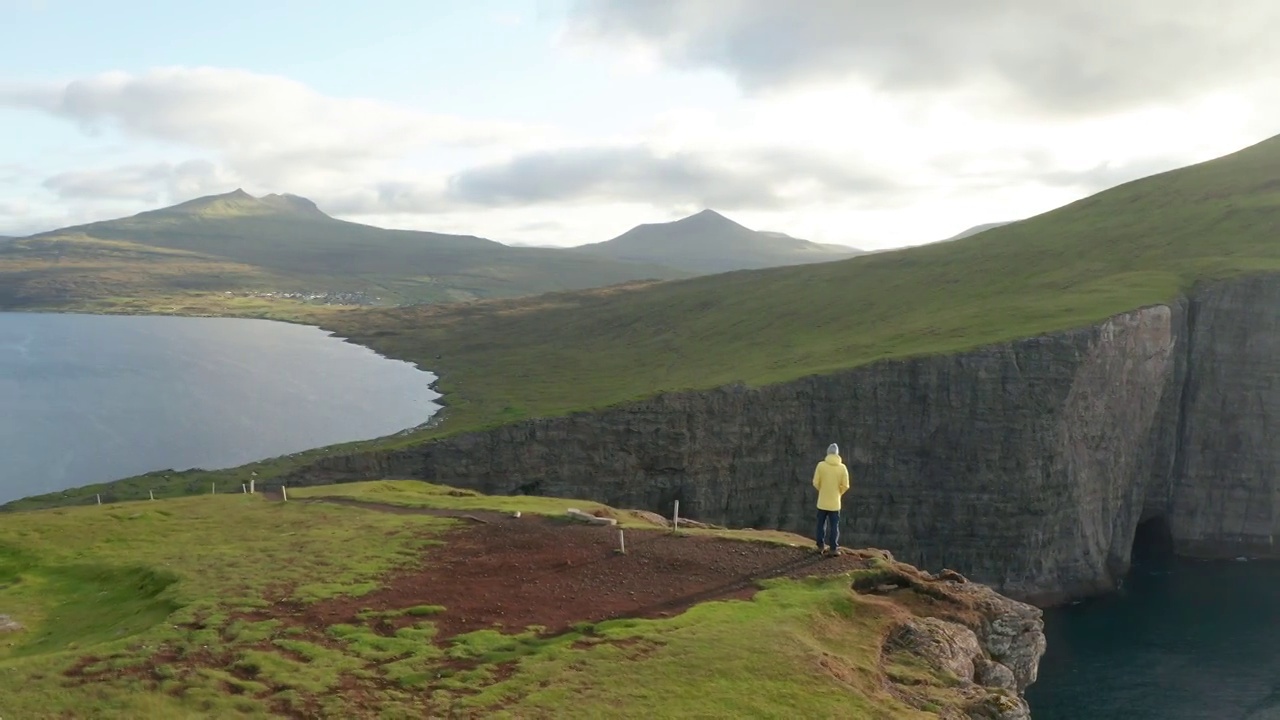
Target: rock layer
[{"x": 1026, "y": 465}]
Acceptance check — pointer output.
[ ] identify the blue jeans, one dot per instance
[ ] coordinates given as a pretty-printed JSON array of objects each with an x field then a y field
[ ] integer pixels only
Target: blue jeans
[{"x": 828, "y": 520}]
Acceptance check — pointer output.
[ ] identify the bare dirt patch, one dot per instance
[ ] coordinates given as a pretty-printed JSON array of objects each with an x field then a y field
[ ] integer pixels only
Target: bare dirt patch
[{"x": 513, "y": 573}]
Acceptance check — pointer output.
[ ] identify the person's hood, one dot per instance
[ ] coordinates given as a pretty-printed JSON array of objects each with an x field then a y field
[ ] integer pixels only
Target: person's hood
[{"x": 832, "y": 459}]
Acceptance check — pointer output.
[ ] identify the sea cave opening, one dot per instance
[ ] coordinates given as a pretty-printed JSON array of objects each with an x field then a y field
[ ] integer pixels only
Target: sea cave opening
[{"x": 1152, "y": 542}]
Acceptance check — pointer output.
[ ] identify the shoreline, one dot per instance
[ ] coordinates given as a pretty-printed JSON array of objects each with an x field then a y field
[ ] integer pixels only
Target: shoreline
[{"x": 432, "y": 422}]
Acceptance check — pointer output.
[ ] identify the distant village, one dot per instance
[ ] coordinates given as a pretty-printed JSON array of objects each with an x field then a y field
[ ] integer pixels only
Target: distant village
[{"x": 319, "y": 298}]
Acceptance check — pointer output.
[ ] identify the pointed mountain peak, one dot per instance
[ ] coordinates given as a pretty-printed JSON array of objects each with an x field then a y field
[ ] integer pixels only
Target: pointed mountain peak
[
  {"x": 710, "y": 242},
  {"x": 708, "y": 219},
  {"x": 706, "y": 215}
]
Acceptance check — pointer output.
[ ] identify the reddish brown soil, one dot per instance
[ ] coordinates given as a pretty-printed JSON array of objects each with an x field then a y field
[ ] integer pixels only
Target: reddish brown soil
[{"x": 514, "y": 573}]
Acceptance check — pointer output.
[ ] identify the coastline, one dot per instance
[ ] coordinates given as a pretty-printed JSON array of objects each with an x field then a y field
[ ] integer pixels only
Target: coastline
[{"x": 107, "y": 488}]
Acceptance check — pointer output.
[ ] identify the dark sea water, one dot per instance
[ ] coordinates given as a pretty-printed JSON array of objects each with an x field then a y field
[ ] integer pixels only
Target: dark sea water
[
  {"x": 1183, "y": 640},
  {"x": 84, "y": 398}
]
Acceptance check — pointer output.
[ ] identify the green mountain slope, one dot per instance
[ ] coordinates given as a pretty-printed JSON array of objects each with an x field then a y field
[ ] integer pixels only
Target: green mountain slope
[
  {"x": 282, "y": 243},
  {"x": 709, "y": 242},
  {"x": 1136, "y": 244}
]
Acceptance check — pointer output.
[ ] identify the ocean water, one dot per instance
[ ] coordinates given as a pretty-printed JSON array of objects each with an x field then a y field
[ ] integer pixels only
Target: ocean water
[
  {"x": 86, "y": 398},
  {"x": 1182, "y": 640}
]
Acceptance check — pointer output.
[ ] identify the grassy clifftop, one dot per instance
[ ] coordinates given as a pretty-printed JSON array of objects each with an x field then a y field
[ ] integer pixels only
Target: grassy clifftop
[
  {"x": 430, "y": 602},
  {"x": 1136, "y": 244}
]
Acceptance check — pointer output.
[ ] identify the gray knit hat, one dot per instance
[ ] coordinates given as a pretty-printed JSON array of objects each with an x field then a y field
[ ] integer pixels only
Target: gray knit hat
[{"x": 833, "y": 449}]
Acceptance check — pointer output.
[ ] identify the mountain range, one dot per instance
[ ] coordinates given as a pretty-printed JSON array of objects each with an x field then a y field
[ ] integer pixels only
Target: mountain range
[
  {"x": 276, "y": 244},
  {"x": 284, "y": 244}
]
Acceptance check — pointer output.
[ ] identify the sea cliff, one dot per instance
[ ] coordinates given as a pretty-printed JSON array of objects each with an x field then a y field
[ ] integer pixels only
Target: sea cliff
[{"x": 1025, "y": 465}]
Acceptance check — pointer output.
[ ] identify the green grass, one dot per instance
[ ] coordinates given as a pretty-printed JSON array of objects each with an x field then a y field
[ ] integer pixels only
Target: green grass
[
  {"x": 156, "y": 610},
  {"x": 119, "y": 583},
  {"x": 419, "y": 494},
  {"x": 725, "y": 659},
  {"x": 414, "y": 493},
  {"x": 86, "y": 605}
]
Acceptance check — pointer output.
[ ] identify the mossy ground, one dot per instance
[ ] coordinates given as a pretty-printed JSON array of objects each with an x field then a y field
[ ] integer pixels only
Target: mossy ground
[{"x": 172, "y": 609}]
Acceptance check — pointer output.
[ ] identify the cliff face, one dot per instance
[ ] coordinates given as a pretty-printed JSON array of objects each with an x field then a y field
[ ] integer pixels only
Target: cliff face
[
  {"x": 1224, "y": 498},
  {"x": 1027, "y": 466}
]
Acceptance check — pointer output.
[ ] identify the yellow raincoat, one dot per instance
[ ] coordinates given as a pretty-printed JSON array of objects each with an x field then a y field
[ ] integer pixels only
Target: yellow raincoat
[{"x": 831, "y": 479}]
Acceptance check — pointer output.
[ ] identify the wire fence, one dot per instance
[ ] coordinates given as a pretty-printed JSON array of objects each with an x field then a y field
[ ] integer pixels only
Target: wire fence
[{"x": 162, "y": 491}]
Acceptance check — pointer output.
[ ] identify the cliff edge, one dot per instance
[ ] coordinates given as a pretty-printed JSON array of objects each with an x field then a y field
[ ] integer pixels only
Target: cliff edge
[{"x": 1026, "y": 465}]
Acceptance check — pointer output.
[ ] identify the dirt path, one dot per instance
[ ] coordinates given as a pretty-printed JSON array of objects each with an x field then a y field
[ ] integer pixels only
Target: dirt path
[{"x": 513, "y": 573}]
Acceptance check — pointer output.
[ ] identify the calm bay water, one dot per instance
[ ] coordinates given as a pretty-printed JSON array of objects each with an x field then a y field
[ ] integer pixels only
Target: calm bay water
[
  {"x": 85, "y": 398},
  {"x": 1183, "y": 640}
]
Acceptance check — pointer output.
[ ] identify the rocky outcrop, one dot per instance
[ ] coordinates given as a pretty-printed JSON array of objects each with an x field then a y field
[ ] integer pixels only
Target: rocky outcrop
[
  {"x": 1026, "y": 465},
  {"x": 950, "y": 647},
  {"x": 989, "y": 645}
]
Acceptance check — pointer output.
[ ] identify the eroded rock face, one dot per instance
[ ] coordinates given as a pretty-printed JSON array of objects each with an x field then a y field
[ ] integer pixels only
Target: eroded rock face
[
  {"x": 992, "y": 645},
  {"x": 999, "y": 706},
  {"x": 1008, "y": 633},
  {"x": 994, "y": 674},
  {"x": 1012, "y": 634},
  {"x": 1026, "y": 465},
  {"x": 946, "y": 645}
]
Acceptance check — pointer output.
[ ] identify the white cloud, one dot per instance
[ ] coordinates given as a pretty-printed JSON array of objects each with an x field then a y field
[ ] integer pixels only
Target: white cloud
[
  {"x": 1060, "y": 57},
  {"x": 14, "y": 209},
  {"x": 255, "y": 120},
  {"x": 840, "y": 136},
  {"x": 153, "y": 182},
  {"x": 13, "y": 173}
]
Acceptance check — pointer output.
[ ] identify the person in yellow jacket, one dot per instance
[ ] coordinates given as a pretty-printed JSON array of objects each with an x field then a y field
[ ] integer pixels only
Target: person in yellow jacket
[{"x": 831, "y": 480}]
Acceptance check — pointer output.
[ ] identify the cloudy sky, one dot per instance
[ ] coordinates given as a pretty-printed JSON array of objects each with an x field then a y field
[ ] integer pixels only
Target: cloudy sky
[{"x": 875, "y": 123}]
